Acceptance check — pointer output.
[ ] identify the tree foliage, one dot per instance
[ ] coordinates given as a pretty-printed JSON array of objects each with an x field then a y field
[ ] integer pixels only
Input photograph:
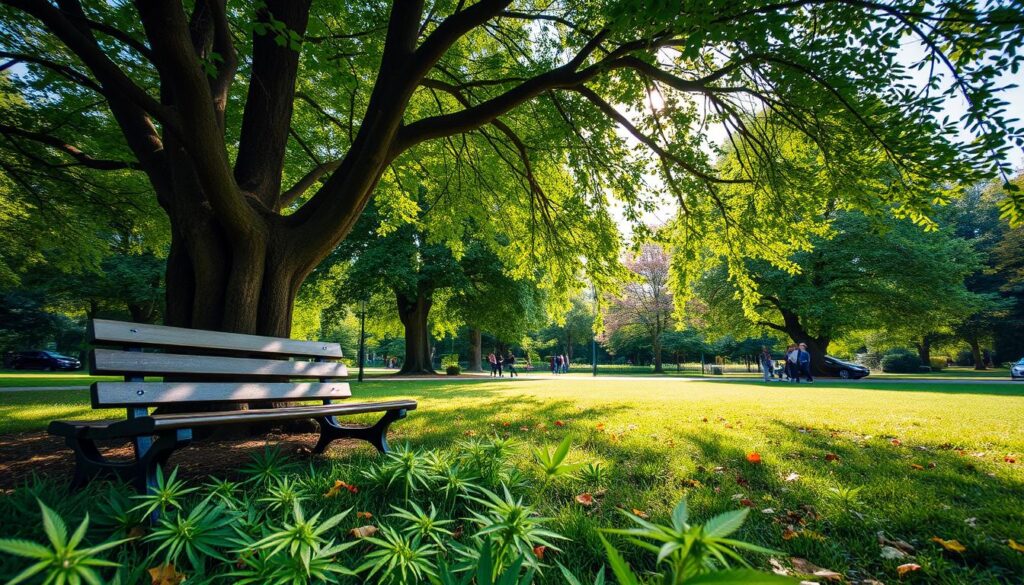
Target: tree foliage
[{"x": 575, "y": 103}]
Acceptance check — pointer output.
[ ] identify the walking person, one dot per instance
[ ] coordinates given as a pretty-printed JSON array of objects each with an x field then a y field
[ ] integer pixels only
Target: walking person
[
  {"x": 565, "y": 364},
  {"x": 494, "y": 364},
  {"x": 766, "y": 363},
  {"x": 510, "y": 365},
  {"x": 792, "y": 367},
  {"x": 804, "y": 360}
]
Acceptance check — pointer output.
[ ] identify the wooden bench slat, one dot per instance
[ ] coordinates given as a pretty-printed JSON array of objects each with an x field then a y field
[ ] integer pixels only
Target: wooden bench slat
[
  {"x": 103, "y": 331},
  {"x": 109, "y": 394},
  {"x": 110, "y": 429},
  {"x": 108, "y": 361}
]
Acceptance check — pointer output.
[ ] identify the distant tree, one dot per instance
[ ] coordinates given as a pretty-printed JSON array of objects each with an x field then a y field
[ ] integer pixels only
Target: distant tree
[
  {"x": 645, "y": 300},
  {"x": 867, "y": 273}
]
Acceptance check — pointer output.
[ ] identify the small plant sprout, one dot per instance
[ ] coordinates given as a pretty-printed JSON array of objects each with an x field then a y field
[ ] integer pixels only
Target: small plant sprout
[
  {"x": 267, "y": 466},
  {"x": 594, "y": 475},
  {"x": 64, "y": 561},
  {"x": 198, "y": 534},
  {"x": 303, "y": 538},
  {"x": 169, "y": 493},
  {"x": 399, "y": 558},
  {"x": 426, "y": 526},
  {"x": 513, "y": 525},
  {"x": 283, "y": 493},
  {"x": 691, "y": 553},
  {"x": 552, "y": 463}
]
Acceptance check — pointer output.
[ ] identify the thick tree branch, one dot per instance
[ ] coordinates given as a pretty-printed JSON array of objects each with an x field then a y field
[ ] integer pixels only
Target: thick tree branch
[
  {"x": 308, "y": 180},
  {"x": 270, "y": 102},
  {"x": 64, "y": 71},
  {"x": 110, "y": 76},
  {"x": 82, "y": 158}
]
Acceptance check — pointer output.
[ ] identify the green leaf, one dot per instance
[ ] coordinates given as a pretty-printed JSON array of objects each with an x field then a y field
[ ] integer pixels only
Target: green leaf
[
  {"x": 54, "y": 527},
  {"x": 24, "y": 548},
  {"x": 744, "y": 576},
  {"x": 726, "y": 523},
  {"x": 619, "y": 565}
]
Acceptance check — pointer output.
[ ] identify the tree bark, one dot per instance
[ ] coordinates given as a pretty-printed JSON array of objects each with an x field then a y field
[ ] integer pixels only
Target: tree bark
[
  {"x": 656, "y": 349},
  {"x": 924, "y": 350},
  {"x": 979, "y": 361},
  {"x": 475, "y": 350},
  {"x": 414, "y": 313}
]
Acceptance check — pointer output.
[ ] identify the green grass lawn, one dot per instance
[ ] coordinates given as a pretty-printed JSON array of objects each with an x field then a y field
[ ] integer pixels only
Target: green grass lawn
[{"x": 929, "y": 460}]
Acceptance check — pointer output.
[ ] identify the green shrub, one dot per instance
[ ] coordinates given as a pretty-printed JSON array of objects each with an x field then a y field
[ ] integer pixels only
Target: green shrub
[
  {"x": 451, "y": 517},
  {"x": 901, "y": 361},
  {"x": 937, "y": 364}
]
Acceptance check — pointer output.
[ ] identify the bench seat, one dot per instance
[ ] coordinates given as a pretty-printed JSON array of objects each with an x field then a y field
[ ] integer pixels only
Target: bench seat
[{"x": 152, "y": 424}]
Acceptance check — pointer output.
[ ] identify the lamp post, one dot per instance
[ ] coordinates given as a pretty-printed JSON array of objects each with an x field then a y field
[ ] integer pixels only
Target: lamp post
[
  {"x": 593, "y": 336},
  {"x": 362, "y": 336}
]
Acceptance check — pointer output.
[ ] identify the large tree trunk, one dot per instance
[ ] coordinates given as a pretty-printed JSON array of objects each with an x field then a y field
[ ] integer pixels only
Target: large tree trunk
[
  {"x": 475, "y": 350},
  {"x": 817, "y": 347},
  {"x": 979, "y": 361},
  {"x": 656, "y": 348},
  {"x": 924, "y": 350},
  {"x": 414, "y": 313}
]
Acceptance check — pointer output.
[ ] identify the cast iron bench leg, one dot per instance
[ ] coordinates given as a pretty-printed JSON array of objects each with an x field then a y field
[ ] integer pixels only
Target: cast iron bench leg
[
  {"x": 376, "y": 435},
  {"x": 90, "y": 463},
  {"x": 151, "y": 454}
]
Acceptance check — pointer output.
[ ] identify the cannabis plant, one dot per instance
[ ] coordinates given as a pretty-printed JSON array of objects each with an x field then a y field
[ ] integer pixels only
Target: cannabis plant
[{"x": 65, "y": 560}]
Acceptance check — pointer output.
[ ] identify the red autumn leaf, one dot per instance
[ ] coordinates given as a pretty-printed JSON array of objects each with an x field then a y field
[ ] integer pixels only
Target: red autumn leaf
[
  {"x": 166, "y": 575},
  {"x": 559, "y": 423},
  {"x": 831, "y": 457},
  {"x": 754, "y": 457},
  {"x": 747, "y": 502},
  {"x": 337, "y": 487},
  {"x": 585, "y": 499},
  {"x": 364, "y": 515},
  {"x": 896, "y": 442},
  {"x": 538, "y": 551},
  {"x": 506, "y": 423},
  {"x": 1009, "y": 459}
]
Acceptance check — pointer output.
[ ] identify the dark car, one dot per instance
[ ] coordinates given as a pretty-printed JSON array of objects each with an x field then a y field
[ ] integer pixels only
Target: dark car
[
  {"x": 44, "y": 360},
  {"x": 845, "y": 370}
]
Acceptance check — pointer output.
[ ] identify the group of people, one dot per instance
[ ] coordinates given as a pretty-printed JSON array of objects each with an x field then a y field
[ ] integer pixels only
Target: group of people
[
  {"x": 795, "y": 365},
  {"x": 500, "y": 365},
  {"x": 559, "y": 364}
]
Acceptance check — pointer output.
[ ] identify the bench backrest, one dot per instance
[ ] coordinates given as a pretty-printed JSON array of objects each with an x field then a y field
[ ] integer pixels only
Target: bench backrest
[{"x": 214, "y": 366}]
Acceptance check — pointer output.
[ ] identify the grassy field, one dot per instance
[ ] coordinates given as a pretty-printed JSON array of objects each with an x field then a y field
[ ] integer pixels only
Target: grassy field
[{"x": 839, "y": 463}]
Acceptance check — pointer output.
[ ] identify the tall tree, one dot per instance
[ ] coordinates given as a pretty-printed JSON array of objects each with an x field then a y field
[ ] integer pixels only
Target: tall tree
[
  {"x": 260, "y": 181},
  {"x": 859, "y": 277},
  {"x": 646, "y": 301}
]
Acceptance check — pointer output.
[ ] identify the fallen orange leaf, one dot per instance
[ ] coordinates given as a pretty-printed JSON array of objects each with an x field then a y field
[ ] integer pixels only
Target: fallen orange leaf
[
  {"x": 789, "y": 533},
  {"x": 754, "y": 457},
  {"x": 1016, "y": 546},
  {"x": 906, "y": 568},
  {"x": 917, "y": 467},
  {"x": 640, "y": 514},
  {"x": 538, "y": 551},
  {"x": 337, "y": 487},
  {"x": 166, "y": 575},
  {"x": 585, "y": 499},
  {"x": 831, "y": 457},
  {"x": 559, "y": 423},
  {"x": 1009, "y": 459},
  {"x": 599, "y": 426},
  {"x": 896, "y": 442},
  {"x": 950, "y": 545},
  {"x": 747, "y": 502},
  {"x": 470, "y": 433},
  {"x": 364, "y": 515},
  {"x": 363, "y": 531}
]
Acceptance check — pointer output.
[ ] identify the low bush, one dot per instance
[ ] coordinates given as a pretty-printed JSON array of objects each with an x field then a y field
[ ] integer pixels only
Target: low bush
[
  {"x": 937, "y": 363},
  {"x": 901, "y": 361},
  {"x": 448, "y": 517}
]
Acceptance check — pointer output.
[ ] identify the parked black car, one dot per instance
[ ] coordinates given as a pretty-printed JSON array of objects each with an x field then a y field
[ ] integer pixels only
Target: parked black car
[
  {"x": 44, "y": 360},
  {"x": 845, "y": 370}
]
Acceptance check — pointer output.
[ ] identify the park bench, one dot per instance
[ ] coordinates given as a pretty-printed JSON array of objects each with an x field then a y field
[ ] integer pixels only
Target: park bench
[{"x": 202, "y": 368}]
